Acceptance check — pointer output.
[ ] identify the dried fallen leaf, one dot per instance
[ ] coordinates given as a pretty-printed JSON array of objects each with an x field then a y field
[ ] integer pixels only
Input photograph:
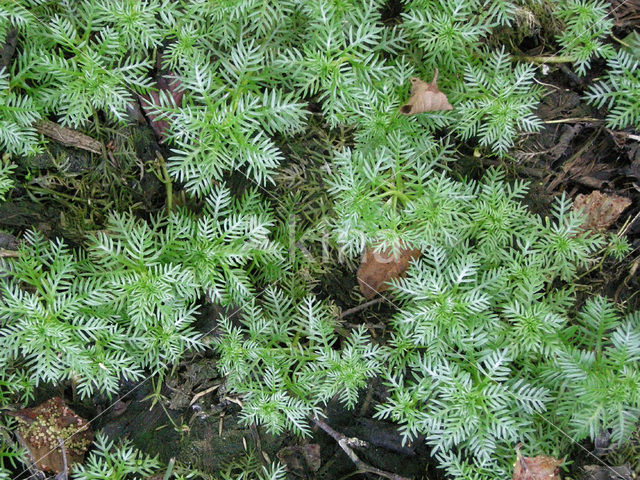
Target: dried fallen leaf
[
  {"x": 42, "y": 427},
  {"x": 377, "y": 268},
  {"x": 425, "y": 97},
  {"x": 601, "y": 210},
  {"x": 536, "y": 468},
  {"x": 151, "y": 101},
  {"x": 301, "y": 459}
]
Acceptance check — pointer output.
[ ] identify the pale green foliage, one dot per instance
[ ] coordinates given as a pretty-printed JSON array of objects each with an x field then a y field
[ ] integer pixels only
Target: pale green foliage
[
  {"x": 620, "y": 91},
  {"x": 385, "y": 195},
  {"x": 119, "y": 462},
  {"x": 6, "y": 178},
  {"x": 51, "y": 328},
  {"x": 479, "y": 312},
  {"x": 137, "y": 25},
  {"x": 597, "y": 373},
  {"x": 483, "y": 346},
  {"x": 14, "y": 14},
  {"x": 501, "y": 99},
  {"x": 225, "y": 54},
  {"x": 129, "y": 304},
  {"x": 76, "y": 62},
  {"x": 282, "y": 359},
  {"x": 247, "y": 70},
  {"x": 339, "y": 58},
  {"x": 450, "y": 32},
  {"x": 17, "y": 114},
  {"x": 618, "y": 246},
  {"x": 586, "y": 25},
  {"x": 223, "y": 128},
  {"x": 245, "y": 467}
]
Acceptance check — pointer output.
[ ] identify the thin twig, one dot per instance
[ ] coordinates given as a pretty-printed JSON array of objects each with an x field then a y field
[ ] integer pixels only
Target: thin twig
[
  {"x": 64, "y": 475},
  {"x": 362, "y": 306},
  {"x": 197, "y": 396},
  {"x": 574, "y": 120},
  {"x": 346, "y": 443},
  {"x": 545, "y": 59},
  {"x": 8, "y": 253}
]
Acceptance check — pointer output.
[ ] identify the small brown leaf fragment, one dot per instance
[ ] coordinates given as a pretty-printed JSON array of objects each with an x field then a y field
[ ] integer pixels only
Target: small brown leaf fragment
[
  {"x": 377, "y": 268},
  {"x": 42, "y": 427},
  {"x": 68, "y": 137},
  {"x": 425, "y": 97},
  {"x": 151, "y": 101},
  {"x": 536, "y": 468},
  {"x": 301, "y": 459},
  {"x": 600, "y": 209}
]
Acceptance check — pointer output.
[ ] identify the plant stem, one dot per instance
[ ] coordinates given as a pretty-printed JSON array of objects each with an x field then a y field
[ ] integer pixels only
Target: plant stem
[
  {"x": 621, "y": 42},
  {"x": 166, "y": 179}
]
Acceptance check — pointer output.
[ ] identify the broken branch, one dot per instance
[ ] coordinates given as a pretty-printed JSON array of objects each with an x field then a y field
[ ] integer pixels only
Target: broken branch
[
  {"x": 68, "y": 137},
  {"x": 346, "y": 445}
]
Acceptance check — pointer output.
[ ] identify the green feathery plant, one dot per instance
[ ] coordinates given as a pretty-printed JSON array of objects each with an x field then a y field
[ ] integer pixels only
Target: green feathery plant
[
  {"x": 129, "y": 302},
  {"x": 482, "y": 349},
  {"x": 115, "y": 462},
  {"x": 596, "y": 375},
  {"x": 282, "y": 357},
  {"x": 619, "y": 91},
  {"x": 585, "y": 27},
  {"x": 246, "y": 467},
  {"x": 17, "y": 115},
  {"x": 6, "y": 178},
  {"x": 235, "y": 97},
  {"x": 450, "y": 32},
  {"x": 479, "y": 312},
  {"x": 122, "y": 461},
  {"x": 73, "y": 63},
  {"x": 500, "y": 104}
]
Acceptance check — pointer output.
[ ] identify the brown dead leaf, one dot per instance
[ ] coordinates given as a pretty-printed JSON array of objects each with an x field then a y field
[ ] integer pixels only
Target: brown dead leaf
[
  {"x": 151, "y": 101},
  {"x": 377, "y": 268},
  {"x": 42, "y": 427},
  {"x": 425, "y": 97},
  {"x": 301, "y": 459},
  {"x": 601, "y": 210},
  {"x": 536, "y": 468}
]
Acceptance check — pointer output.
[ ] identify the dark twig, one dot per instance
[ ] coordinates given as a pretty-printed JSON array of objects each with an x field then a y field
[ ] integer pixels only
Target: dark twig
[
  {"x": 362, "y": 306},
  {"x": 346, "y": 445}
]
